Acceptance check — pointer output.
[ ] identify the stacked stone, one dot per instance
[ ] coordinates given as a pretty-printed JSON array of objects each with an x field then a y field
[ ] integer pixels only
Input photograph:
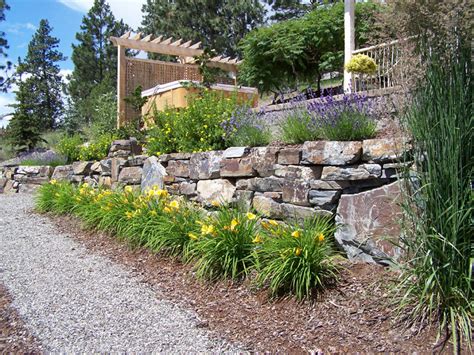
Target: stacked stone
[{"x": 23, "y": 178}]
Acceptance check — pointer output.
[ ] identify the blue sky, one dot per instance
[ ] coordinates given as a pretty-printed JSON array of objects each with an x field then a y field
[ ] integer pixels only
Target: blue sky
[{"x": 64, "y": 16}]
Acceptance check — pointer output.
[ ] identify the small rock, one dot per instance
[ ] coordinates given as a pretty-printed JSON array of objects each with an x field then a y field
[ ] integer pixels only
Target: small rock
[
  {"x": 354, "y": 172},
  {"x": 235, "y": 152},
  {"x": 296, "y": 192},
  {"x": 81, "y": 167},
  {"x": 331, "y": 152},
  {"x": 267, "y": 207},
  {"x": 178, "y": 168},
  {"x": 130, "y": 175},
  {"x": 220, "y": 190},
  {"x": 237, "y": 167},
  {"x": 289, "y": 156}
]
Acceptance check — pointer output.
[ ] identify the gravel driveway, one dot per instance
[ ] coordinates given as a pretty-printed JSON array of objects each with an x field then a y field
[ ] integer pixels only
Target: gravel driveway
[{"x": 72, "y": 301}]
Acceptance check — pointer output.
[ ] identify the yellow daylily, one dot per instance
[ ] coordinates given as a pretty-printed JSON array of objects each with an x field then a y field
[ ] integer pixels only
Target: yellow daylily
[
  {"x": 153, "y": 213},
  {"x": 321, "y": 237},
  {"x": 296, "y": 234},
  {"x": 273, "y": 222},
  {"x": 298, "y": 251},
  {"x": 233, "y": 224},
  {"x": 129, "y": 215},
  {"x": 192, "y": 236},
  {"x": 257, "y": 239},
  {"x": 208, "y": 229},
  {"x": 128, "y": 189},
  {"x": 251, "y": 216},
  {"x": 167, "y": 209},
  {"x": 174, "y": 204},
  {"x": 53, "y": 182},
  {"x": 215, "y": 203}
]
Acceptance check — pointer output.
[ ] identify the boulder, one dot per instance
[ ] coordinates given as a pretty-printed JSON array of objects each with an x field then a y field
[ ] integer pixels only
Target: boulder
[
  {"x": 36, "y": 180},
  {"x": 82, "y": 167},
  {"x": 383, "y": 150},
  {"x": 62, "y": 172},
  {"x": 368, "y": 224},
  {"x": 331, "y": 152},
  {"x": 298, "y": 172},
  {"x": 276, "y": 196},
  {"x": 105, "y": 181},
  {"x": 237, "y": 167},
  {"x": 206, "y": 165},
  {"x": 289, "y": 156},
  {"x": 325, "y": 199},
  {"x": 267, "y": 207},
  {"x": 296, "y": 192},
  {"x": 354, "y": 172},
  {"x": 235, "y": 152},
  {"x": 264, "y": 160},
  {"x": 153, "y": 174},
  {"x": 178, "y": 168},
  {"x": 11, "y": 187},
  {"x": 220, "y": 190},
  {"x": 137, "y": 160},
  {"x": 120, "y": 144},
  {"x": 130, "y": 175}
]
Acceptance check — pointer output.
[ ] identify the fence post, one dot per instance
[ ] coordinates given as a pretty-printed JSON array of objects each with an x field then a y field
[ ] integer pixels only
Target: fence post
[
  {"x": 349, "y": 39},
  {"x": 121, "y": 77}
]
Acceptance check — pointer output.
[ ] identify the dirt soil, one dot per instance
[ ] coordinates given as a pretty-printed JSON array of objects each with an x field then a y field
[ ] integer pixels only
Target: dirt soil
[
  {"x": 352, "y": 317},
  {"x": 14, "y": 337}
]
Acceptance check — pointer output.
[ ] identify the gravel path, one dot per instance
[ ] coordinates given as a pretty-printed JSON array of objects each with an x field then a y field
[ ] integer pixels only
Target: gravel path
[{"x": 72, "y": 301}]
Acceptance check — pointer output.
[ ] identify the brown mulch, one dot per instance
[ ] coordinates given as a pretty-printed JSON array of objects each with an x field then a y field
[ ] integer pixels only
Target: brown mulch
[
  {"x": 353, "y": 317},
  {"x": 14, "y": 337}
]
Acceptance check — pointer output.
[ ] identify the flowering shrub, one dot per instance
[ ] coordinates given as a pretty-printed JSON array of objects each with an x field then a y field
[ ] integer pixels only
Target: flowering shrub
[
  {"x": 195, "y": 128},
  {"x": 226, "y": 243},
  {"x": 362, "y": 64},
  {"x": 246, "y": 128},
  {"x": 73, "y": 147}
]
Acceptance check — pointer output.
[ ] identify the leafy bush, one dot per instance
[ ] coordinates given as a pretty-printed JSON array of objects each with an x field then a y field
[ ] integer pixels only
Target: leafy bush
[
  {"x": 298, "y": 127},
  {"x": 194, "y": 128},
  {"x": 104, "y": 114},
  {"x": 439, "y": 209},
  {"x": 73, "y": 148},
  {"x": 246, "y": 128},
  {"x": 69, "y": 146},
  {"x": 297, "y": 259},
  {"x": 299, "y": 50},
  {"x": 224, "y": 247}
]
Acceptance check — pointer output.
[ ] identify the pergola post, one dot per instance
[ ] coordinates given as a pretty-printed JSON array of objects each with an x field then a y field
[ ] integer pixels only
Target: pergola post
[
  {"x": 121, "y": 77},
  {"x": 349, "y": 39}
]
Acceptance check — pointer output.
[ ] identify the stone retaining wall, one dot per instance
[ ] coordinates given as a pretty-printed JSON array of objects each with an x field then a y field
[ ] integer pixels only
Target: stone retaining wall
[{"x": 289, "y": 182}]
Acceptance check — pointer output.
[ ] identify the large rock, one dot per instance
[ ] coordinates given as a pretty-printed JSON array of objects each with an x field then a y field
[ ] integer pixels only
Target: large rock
[
  {"x": 136, "y": 160},
  {"x": 153, "y": 174},
  {"x": 243, "y": 199},
  {"x": 62, "y": 172},
  {"x": 383, "y": 150},
  {"x": 236, "y": 152},
  {"x": 264, "y": 160},
  {"x": 368, "y": 223},
  {"x": 106, "y": 166},
  {"x": 178, "y": 168},
  {"x": 206, "y": 165},
  {"x": 298, "y": 172},
  {"x": 130, "y": 175},
  {"x": 331, "y": 152},
  {"x": 237, "y": 167},
  {"x": 220, "y": 190},
  {"x": 296, "y": 192},
  {"x": 267, "y": 207},
  {"x": 261, "y": 184},
  {"x": 300, "y": 213},
  {"x": 35, "y": 179},
  {"x": 115, "y": 167},
  {"x": 289, "y": 156},
  {"x": 354, "y": 172},
  {"x": 82, "y": 167},
  {"x": 325, "y": 199}
]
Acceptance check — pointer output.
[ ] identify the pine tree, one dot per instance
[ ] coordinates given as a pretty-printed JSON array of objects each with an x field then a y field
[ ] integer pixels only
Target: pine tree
[
  {"x": 94, "y": 57},
  {"x": 218, "y": 24},
  {"x": 4, "y": 65},
  {"x": 40, "y": 85}
]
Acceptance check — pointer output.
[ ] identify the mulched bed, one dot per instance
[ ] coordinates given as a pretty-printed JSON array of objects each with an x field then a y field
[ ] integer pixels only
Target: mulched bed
[
  {"x": 14, "y": 337},
  {"x": 353, "y": 317}
]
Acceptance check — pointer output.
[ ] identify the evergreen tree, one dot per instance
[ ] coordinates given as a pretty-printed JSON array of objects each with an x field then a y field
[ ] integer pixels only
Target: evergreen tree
[
  {"x": 4, "y": 65},
  {"x": 39, "y": 82},
  {"x": 95, "y": 57},
  {"x": 218, "y": 24}
]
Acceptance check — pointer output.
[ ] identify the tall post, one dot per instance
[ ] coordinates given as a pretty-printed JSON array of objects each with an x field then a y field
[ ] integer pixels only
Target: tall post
[
  {"x": 349, "y": 39},
  {"x": 121, "y": 77}
]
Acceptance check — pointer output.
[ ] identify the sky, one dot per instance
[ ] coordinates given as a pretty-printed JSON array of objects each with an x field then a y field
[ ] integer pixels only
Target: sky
[{"x": 64, "y": 17}]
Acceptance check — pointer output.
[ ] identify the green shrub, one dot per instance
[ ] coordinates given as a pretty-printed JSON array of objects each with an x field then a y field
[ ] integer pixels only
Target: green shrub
[
  {"x": 69, "y": 146},
  {"x": 298, "y": 127},
  {"x": 245, "y": 128},
  {"x": 224, "y": 247},
  {"x": 98, "y": 148},
  {"x": 192, "y": 129},
  {"x": 297, "y": 259},
  {"x": 439, "y": 208}
]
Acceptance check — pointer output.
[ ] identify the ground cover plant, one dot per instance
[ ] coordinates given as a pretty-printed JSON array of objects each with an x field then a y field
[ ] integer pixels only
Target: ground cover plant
[{"x": 226, "y": 243}]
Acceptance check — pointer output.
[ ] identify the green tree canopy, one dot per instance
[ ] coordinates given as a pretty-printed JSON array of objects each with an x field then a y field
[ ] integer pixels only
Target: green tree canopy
[
  {"x": 39, "y": 104},
  {"x": 4, "y": 64},
  {"x": 218, "y": 24},
  {"x": 94, "y": 57},
  {"x": 300, "y": 50}
]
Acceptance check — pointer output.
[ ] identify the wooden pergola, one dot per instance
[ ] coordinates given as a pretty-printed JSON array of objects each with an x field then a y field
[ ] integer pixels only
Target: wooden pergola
[{"x": 186, "y": 68}]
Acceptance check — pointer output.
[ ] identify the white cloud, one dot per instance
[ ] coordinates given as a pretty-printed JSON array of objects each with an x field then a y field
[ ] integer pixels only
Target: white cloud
[
  {"x": 128, "y": 10},
  {"x": 5, "y": 100},
  {"x": 17, "y": 28}
]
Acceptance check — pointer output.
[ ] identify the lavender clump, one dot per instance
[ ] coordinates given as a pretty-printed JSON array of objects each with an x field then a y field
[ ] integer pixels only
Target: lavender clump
[{"x": 243, "y": 116}]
